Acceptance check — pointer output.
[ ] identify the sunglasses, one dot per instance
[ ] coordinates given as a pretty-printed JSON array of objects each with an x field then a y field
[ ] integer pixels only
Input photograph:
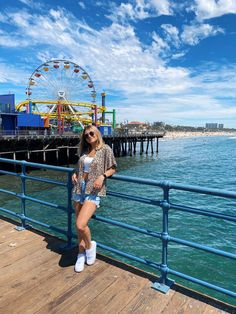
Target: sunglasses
[{"x": 91, "y": 133}]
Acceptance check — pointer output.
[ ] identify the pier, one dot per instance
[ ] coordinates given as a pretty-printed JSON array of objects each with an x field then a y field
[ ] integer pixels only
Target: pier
[
  {"x": 37, "y": 278},
  {"x": 62, "y": 149},
  {"x": 40, "y": 209}
]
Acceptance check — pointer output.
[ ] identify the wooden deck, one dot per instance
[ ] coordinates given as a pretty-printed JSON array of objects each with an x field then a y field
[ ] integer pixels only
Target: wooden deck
[{"x": 36, "y": 278}]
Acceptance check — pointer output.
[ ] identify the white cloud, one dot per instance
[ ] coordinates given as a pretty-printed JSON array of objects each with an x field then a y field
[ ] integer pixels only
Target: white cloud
[
  {"x": 139, "y": 10},
  {"x": 162, "y": 7},
  {"x": 12, "y": 42},
  {"x": 213, "y": 8},
  {"x": 82, "y": 5},
  {"x": 214, "y": 80},
  {"x": 193, "y": 34},
  {"x": 99, "y": 3},
  {"x": 11, "y": 74},
  {"x": 199, "y": 101},
  {"x": 2, "y": 18},
  {"x": 173, "y": 43},
  {"x": 176, "y": 56},
  {"x": 172, "y": 34},
  {"x": 163, "y": 46},
  {"x": 114, "y": 56},
  {"x": 32, "y": 4},
  {"x": 27, "y": 2},
  {"x": 195, "y": 108},
  {"x": 126, "y": 12},
  {"x": 159, "y": 45},
  {"x": 119, "y": 63},
  {"x": 32, "y": 29},
  {"x": 19, "y": 19}
]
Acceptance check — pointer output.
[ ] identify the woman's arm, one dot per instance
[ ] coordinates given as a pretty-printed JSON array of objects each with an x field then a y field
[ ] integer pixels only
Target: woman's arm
[
  {"x": 109, "y": 172},
  {"x": 75, "y": 177},
  {"x": 99, "y": 181}
]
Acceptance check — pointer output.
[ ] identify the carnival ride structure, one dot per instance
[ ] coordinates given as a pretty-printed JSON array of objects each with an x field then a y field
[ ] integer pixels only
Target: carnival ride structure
[{"x": 63, "y": 93}]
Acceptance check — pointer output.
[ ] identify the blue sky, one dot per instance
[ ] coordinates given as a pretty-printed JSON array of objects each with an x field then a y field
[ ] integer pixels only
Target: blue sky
[{"x": 157, "y": 60}]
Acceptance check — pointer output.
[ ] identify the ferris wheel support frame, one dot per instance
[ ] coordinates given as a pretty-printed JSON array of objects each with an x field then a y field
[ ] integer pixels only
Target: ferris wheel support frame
[
  {"x": 59, "y": 119},
  {"x": 95, "y": 110},
  {"x": 103, "y": 105}
]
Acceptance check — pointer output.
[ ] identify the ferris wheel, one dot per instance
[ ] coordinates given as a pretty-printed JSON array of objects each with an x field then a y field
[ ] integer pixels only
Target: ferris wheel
[
  {"x": 63, "y": 92},
  {"x": 61, "y": 80}
]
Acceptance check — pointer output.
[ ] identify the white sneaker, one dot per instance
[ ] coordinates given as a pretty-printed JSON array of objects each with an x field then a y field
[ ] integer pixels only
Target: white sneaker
[
  {"x": 91, "y": 253},
  {"x": 79, "y": 266}
]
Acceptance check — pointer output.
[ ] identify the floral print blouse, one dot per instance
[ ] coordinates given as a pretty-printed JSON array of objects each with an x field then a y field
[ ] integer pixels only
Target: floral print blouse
[{"x": 103, "y": 160}]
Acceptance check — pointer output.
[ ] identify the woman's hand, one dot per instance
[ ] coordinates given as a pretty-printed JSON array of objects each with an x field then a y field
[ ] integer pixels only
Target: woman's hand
[
  {"x": 74, "y": 178},
  {"x": 98, "y": 182}
]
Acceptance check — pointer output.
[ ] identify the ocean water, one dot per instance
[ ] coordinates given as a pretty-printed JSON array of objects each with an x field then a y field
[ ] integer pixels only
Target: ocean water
[{"x": 202, "y": 161}]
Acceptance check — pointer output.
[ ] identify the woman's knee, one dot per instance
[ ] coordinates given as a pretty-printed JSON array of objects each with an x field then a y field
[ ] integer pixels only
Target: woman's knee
[{"x": 81, "y": 226}]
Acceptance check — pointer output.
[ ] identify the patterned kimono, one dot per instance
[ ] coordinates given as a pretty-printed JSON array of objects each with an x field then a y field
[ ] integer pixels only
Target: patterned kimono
[{"x": 103, "y": 160}]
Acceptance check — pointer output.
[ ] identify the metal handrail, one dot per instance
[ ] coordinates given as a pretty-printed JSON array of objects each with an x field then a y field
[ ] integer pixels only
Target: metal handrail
[
  {"x": 164, "y": 204},
  {"x": 23, "y": 195}
]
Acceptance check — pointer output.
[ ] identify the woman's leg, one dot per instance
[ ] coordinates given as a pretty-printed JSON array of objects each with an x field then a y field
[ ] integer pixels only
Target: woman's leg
[
  {"x": 81, "y": 243},
  {"x": 84, "y": 215}
]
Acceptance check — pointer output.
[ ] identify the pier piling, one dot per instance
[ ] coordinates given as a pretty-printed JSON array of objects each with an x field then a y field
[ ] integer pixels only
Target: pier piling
[{"x": 62, "y": 149}]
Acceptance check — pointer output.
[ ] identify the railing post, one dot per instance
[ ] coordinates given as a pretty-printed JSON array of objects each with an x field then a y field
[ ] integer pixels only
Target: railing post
[
  {"x": 69, "y": 213},
  {"x": 164, "y": 283},
  {"x": 23, "y": 211}
]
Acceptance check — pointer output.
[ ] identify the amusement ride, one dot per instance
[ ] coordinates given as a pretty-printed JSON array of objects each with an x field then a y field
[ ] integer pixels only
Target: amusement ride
[{"x": 63, "y": 94}]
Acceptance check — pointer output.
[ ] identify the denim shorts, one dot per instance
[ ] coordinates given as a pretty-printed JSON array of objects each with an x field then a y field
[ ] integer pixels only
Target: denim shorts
[{"x": 82, "y": 197}]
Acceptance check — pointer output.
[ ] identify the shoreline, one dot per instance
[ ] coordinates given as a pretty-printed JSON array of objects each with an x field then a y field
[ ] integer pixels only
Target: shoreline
[{"x": 181, "y": 134}]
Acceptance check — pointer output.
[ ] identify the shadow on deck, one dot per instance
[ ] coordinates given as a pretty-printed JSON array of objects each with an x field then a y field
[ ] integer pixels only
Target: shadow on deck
[{"x": 36, "y": 277}]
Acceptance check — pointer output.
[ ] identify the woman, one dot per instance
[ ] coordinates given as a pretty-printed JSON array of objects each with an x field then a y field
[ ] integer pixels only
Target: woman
[{"x": 96, "y": 163}]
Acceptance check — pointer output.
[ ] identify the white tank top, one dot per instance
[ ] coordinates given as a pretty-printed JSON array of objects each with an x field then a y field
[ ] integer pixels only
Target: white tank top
[{"x": 87, "y": 162}]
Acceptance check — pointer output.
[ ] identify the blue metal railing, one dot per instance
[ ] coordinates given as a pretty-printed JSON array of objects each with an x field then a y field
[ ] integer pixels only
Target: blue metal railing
[
  {"x": 164, "y": 203},
  {"x": 24, "y": 197}
]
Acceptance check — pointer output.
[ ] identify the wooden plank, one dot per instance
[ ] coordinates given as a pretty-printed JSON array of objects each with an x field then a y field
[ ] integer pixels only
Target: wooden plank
[
  {"x": 89, "y": 283},
  {"x": 27, "y": 281},
  {"x": 27, "y": 263},
  {"x": 49, "y": 289},
  {"x": 203, "y": 302},
  {"x": 114, "y": 298},
  {"x": 3, "y": 223},
  {"x": 149, "y": 300},
  {"x": 209, "y": 309},
  {"x": 177, "y": 302},
  {"x": 34, "y": 267},
  {"x": 4, "y": 226},
  {"x": 35, "y": 278},
  {"x": 8, "y": 234},
  {"x": 17, "y": 249},
  {"x": 195, "y": 307}
]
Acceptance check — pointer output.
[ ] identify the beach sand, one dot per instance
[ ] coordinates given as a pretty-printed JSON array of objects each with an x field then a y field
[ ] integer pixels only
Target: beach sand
[{"x": 176, "y": 134}]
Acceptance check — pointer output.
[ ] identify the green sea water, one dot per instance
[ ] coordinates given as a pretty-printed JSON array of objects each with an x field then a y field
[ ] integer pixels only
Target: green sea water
[{"x": 202, "y": 161}]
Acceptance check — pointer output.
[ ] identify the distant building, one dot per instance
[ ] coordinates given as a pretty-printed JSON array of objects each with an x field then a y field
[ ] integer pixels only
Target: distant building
[
  {"x": 136, "y": 124},
  {"x": 214, "y": 126},
  {"x": 134, "y": 127}
]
